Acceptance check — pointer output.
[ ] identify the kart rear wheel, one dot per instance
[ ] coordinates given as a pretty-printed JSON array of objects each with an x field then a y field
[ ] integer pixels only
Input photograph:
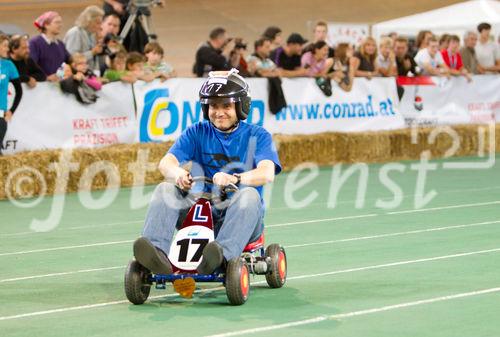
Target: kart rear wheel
[
  {"x": 137, "y": 287},
  {"x": 237, "y": 281},
  {"x": 276, "y": 276}
]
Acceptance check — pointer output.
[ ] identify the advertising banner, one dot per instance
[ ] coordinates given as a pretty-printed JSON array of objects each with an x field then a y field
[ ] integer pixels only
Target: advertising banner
[
  {"x": 370, "y": 105},
  {"x": 48, "y": 119},
  {"x": 440, "y": 100},
  {"x": 166, "y": 109},
  {"x": 159, "y": 111}
]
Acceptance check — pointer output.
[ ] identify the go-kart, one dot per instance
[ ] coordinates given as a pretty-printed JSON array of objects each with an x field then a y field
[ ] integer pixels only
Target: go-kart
[{"x": 186, "y": 254}]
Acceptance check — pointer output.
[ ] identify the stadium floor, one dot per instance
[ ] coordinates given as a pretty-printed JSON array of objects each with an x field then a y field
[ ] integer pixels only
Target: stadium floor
[{"x": 365, "y": 272}]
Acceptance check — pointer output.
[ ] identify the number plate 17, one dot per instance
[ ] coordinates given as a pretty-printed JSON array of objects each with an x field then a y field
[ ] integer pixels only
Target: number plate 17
[{"x": 187, "y": 247}]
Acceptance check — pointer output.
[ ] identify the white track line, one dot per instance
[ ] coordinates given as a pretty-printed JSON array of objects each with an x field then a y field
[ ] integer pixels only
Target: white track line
[
  {"x": 357, "y": 313},
  {"x": 322, "y": 220},
  {"x": 275, "y": 225},
  {"x": 298, "y": 277},
  {"x": 287, "y": 247},
  {"x": 59, "y": 274},
  {"x": 270, "y": 210},
  {"x": 445, "y": 207},
  {"x": 306, "y": 221},
  {"x": 67, "y": 247},
  {"x": 369, "y": 237},
  {"x": 92, "y": 306},
  {"x": 104, "y": 225},
  {"x": 74, "y": 228},
  {"x": 394, "y": 264},
  {"x": 279, "y": 209},
  {"x": 130, "y": 241}
]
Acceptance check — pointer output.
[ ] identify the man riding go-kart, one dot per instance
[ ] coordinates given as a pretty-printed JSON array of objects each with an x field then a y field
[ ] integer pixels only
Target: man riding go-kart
[{"x": 228, "y": 152}]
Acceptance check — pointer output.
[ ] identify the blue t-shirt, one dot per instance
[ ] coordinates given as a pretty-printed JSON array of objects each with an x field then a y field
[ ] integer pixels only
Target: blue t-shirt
[
  {"x": 8, "y": 71},
  {"x": 212, "y": 151}
]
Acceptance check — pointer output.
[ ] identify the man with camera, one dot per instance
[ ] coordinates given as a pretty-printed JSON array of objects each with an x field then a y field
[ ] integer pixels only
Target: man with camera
[
  {"x": 237, "y": 57},
  {"x": 214, "y": 54},
  {"x": 83, "y": 37},
  {"x": 110, "y": 24}
]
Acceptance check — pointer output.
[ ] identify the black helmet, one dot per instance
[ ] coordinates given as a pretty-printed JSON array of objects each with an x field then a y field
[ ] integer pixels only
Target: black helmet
[{"x": 229, "y": 85}]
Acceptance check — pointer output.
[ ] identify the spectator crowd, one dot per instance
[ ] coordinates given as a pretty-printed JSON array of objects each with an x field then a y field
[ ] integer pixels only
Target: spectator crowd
[
  {"x": 91, "y": 54},
  {"x": 392, "y": 56}
]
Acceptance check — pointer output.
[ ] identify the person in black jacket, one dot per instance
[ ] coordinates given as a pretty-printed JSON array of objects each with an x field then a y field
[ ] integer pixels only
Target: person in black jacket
[
  {"x": 213, "y": 54},
  {"x": 29, "y": 71},
  {"x": 405, "y": 63}
]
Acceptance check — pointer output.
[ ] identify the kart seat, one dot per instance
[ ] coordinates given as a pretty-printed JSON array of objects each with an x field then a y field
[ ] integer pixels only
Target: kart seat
[{"x": 253, "y": 246}]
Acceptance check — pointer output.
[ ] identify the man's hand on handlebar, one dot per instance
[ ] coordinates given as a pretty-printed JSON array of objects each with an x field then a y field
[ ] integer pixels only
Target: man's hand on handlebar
[
  {"x": 184, "y": 180},
  {"x": 224, "y": 179}
]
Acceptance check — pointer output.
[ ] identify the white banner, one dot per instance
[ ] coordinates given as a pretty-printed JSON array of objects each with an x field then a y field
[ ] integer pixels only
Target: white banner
[
  {"x": 48, "y": 119},
  {"x": 370, "y": 105},
  {"x": 345, "y": 32},
  {"x": 166, "y": 109},
  {"x": 451, "y": 101}
]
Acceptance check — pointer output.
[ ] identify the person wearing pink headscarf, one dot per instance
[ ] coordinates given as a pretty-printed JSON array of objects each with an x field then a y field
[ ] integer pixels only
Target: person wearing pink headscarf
[{"x": 45, "y": 49}]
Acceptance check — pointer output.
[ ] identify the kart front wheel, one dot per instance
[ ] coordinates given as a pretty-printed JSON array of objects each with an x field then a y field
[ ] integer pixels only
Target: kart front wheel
[
  {"x": 276, "y": 276},
  {"x": 237, "y": 281},
  {"x": 137, "y": 287}
]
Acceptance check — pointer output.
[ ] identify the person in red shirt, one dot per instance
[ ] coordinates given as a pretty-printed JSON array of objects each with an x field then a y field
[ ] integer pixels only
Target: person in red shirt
[{"x": 453, "y": 59}]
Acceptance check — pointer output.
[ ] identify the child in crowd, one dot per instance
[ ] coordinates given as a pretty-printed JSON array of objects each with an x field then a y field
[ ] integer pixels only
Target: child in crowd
[
  {"x": 135, "y": 65},
  {"x": 155, "y": 63},
  {"x": 386, "y": 59},
  {"x": 117, "y": 70},
  {"x": 81, "y": 82}
]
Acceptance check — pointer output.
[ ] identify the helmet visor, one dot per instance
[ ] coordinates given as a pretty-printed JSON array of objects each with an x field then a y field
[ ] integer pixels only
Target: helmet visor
[{"x": 219, "y": 100}]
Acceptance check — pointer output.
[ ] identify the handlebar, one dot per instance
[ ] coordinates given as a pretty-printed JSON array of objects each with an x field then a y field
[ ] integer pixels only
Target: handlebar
[
  {"x": 228, "y": 188},
  {"x": 223, "y": 192}
]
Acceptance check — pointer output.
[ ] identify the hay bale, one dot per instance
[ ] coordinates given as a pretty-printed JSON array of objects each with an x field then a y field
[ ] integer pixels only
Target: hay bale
[
  {"x": 297, "y": 149},
  {"x": 363, "y": 147},
  {"x": 323, "y": 149},
  {"x": 27, "y": 174},
  {"x": 48, "y": 163}
]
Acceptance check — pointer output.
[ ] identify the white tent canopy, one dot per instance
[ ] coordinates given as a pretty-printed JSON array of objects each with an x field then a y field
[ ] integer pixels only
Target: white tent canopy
[{"x": 454, "y": 19}]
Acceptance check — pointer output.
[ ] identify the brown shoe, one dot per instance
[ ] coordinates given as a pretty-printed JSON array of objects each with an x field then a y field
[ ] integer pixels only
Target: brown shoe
[{"x": 151, "y": 257}]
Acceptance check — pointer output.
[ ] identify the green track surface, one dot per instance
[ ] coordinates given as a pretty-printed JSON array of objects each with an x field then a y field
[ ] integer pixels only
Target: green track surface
[{"x": 371, "y": 259}]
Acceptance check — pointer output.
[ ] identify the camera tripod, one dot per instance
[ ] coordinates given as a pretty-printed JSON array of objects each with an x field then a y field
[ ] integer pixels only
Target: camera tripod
[{"x": 139, "y": 12}]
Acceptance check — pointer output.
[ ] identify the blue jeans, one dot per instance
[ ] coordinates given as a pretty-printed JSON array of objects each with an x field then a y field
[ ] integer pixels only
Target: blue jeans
[{"x": 235, "y": 225}]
